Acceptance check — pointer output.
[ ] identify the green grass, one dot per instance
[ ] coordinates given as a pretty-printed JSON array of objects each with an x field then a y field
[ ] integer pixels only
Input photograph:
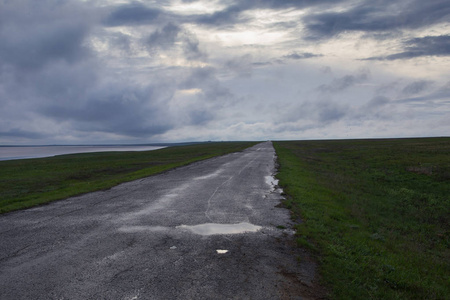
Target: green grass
[
  {"x": 375, "y": 213},
  {"x": 30, "y": 182}
]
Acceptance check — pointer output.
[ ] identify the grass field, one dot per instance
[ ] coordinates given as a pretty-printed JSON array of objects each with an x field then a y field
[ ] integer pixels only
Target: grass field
[
  {"x": 375, "y": 212},
  {"x": 30, "y": 182}
]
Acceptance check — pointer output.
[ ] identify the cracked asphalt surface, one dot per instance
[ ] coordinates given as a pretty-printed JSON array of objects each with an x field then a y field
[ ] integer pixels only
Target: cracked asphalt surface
[{"x": 157, "y": 238}]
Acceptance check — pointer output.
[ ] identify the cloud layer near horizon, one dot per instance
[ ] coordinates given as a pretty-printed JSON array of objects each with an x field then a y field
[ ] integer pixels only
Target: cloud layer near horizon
[{"x": 150, "y": 71}]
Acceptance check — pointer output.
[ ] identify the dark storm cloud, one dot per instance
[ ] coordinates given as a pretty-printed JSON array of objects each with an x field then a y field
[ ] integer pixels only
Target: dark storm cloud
[
  {"x": 232, "y": 14},
  {"x": 27, "y": 43},
  {"x": 417, "y": 47},
  {"x": 68, "y": 69},
  {"x": 191, "y": 47},
  {"x": 344, "y": 82},
  {"x": 51, "y": 74},
  {"x": 19, "y": 133},
  {"x": 229, "y": 16},
  {"x": 132, "y": 14},
  {"x": 39, "y": 46},
  {"x": 114, "y": 109},
  {"x": 378, "y": 16},
  {"x": 164, "y": 38}
]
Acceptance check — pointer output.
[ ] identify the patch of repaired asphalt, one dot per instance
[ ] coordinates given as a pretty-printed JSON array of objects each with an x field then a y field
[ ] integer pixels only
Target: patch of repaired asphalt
[{"x": 204, "y": 231}]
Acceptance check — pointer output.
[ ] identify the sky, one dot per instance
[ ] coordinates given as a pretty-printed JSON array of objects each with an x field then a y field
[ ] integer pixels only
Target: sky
[{"x": 115, "y": 71}]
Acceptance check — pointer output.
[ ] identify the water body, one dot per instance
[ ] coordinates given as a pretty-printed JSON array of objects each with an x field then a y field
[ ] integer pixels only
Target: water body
[{"x": 23, "y": 152}]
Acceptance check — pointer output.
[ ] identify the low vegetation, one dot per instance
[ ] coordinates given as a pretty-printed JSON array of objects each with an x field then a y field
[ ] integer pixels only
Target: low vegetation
[
  {"x": 29, "y": 182},
  {"x": 375, "y": 212}
]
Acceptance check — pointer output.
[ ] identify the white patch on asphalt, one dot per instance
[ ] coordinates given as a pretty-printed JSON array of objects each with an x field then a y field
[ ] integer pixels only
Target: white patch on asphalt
[
  {"x": 111, "y": 258},
  {"x": 215, "y": 174},
  {"x": 219, "y": 251},
  {"x": 160, "y": 204},
  {"x": 133, "y": 229},
  {"x": 133, "y": 296},
  {"x": 214, "y": 228}
]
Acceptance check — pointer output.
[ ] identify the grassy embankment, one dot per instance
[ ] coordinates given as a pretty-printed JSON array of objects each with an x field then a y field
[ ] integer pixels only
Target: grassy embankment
[
  {"x": 375, "y": 212},
  {"x": 30, "y": 182}
]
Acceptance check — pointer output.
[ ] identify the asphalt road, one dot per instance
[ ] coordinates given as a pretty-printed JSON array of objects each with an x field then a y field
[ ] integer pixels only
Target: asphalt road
[{"x": 204, "y": 231}]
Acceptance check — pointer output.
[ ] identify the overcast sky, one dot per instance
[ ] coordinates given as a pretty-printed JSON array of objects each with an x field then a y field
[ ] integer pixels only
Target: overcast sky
[{"x": 115, "y": 71}]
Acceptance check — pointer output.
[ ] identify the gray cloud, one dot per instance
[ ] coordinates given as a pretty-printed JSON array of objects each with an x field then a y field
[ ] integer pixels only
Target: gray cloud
[
  {"x": 378, "y": 16},
  {"x": 28, "y": 44},
  {"x": 343, "y": 83},
  {"x": 67, "y": 69},
  {"x": 378, "y": 108},
  {"x": 164, "y": 38},
  {"x": 316, "y": 113},
  {"x": 132, "y": 14},
  {"x": 19, "y": 133},
  {"x": 50, "y": 75},
  {"x": 417, "y": 47},
  {"x": 328, "y": 111},
  {"x": 232, "y": 14},
  {"x": 191, "y": 47},
  {"x": 241, "y": 66},
  {"x": 377, "y": 102},
  {"x": 40, "y": 46},
  {"x": 416, "y": 87},
  {"x": 304, "y": 55},
  {"x": 440, "y": 94},
  {"x": 170, "y": 34}
]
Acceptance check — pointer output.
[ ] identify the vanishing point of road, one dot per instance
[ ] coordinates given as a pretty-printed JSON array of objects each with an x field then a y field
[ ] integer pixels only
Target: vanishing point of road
[{"x": 209, "y": 230}]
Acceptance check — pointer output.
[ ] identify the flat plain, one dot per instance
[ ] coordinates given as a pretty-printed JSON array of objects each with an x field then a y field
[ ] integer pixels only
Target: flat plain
[
  {"x": 208, "y": 230},
  {"x": 26, "y": 183},
  {"x": 375, "y": 213}
]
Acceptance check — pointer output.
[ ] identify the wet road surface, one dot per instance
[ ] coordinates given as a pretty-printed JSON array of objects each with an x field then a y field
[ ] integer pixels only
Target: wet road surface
[{"x": 204, "y": 231}]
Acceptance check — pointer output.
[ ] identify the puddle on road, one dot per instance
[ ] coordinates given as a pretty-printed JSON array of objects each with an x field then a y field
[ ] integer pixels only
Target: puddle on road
[
  {"x": 272, "y": 181},
  {"x": 214, "y": 228}
]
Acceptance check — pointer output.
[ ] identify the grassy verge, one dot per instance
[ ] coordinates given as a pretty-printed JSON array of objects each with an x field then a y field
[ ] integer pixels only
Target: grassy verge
[
  {"x": 376, "y": 213},
  {"x": 31, "y": 182}
]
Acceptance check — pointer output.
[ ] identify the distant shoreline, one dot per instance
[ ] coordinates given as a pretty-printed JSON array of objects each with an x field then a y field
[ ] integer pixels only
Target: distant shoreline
[
  {"x": 29, "y": 152},
  {"x": 105, "y": 145}
]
